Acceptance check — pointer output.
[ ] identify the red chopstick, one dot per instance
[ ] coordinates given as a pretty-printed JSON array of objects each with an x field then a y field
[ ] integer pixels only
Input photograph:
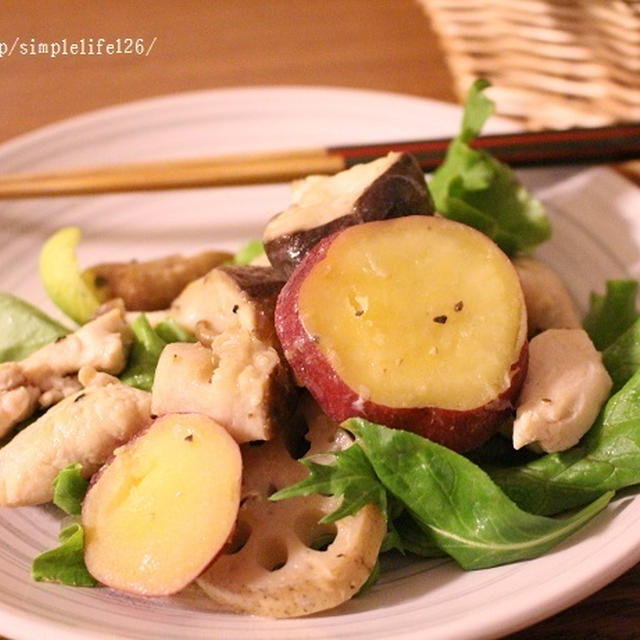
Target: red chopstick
[{"x": 600, "y": 145}]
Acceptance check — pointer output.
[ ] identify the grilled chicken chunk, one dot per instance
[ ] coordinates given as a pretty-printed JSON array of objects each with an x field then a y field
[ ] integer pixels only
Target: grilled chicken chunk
[
  {"x": 50, "y": 374},
  {"x": 239, "y": 382},
  {"x": 85, "y": 427},
  {"x": 565, "y": 388},
  {"x": 388, "y": 187},
  {"x": 237, "y": 375}
]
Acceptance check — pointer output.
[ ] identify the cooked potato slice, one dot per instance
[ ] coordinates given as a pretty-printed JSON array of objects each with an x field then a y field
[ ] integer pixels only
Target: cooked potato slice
[
  {"x": 281, "y": 562},
  {"x": 415, "y": 323},
  {"x": 166, "y": 503},
  {"x": 151, "y": 285}
]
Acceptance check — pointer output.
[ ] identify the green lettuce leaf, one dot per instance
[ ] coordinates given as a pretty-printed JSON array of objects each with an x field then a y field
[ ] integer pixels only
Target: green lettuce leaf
[
  {"x": 449, "y": 504},
  {"x": 170, "y": 331},
  {"x": 145, "y": 352},
  {"x": 611, "y": 314},
  {"x": 349, "y": 475},
  {"x": 607, "y": 458},
  {"x": 464, "y": 512},
  {"x": 477, "y": 110},
  {"x": 69, "y": 489},
  {"x": 24, "y": 328},
  {"x": 148, "y": 344},
  {"x": 414, "y": 539},
  {"x": 248, "y": 252},
  {"x": 65, "y": 563},
  {"x": 622, "y": 357},
  {"x": 474, "y": 188}
]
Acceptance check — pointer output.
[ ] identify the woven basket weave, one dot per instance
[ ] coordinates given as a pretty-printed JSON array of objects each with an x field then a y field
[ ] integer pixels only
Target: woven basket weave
[{"x": 552, "y": 63}]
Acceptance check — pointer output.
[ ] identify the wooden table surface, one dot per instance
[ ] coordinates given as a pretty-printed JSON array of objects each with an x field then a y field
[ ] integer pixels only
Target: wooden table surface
[{"x": 375, "y": 44}]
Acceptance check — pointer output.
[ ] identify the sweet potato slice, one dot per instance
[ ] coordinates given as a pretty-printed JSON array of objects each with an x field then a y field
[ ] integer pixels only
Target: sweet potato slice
[
  {"x": 416, "y": 323},
  {"x": 163, "y": 507},
  {"x": 281, "y": 562}
]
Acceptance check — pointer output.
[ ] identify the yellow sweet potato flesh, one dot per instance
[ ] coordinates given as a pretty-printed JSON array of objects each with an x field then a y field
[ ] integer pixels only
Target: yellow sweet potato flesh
[
  {"x": 427, "y": 313},
  {"x": 163, "y": 507}
]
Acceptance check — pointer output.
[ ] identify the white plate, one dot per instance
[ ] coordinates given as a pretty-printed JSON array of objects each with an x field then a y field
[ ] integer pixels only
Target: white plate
[{"x": 595, "y": 237}]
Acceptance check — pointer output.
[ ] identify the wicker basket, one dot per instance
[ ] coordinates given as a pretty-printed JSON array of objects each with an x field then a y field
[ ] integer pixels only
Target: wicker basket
[{"x": 552, "y": 63}]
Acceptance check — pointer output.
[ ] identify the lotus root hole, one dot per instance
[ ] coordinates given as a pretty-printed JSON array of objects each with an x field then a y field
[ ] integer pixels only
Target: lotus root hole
[
  {"x": 314, "y": 534},
  {"x": 240, "y": 537},
  {"x": 272, "y": 554}
]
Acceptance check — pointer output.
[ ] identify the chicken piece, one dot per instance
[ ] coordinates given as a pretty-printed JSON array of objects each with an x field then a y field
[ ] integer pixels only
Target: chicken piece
[
  {"x": 549, "y": 305},
  {"x": 227, "y": 297},
  {"x": 388, "y": 187},
  {"x": 239, "y": 382},
  {"x": 85, "y": 427},
  {"x": 282, "y": 563},
  {"x": 151, "y": 285},
  {"x": 565, "y": 388},
  {"x": 18, "y": 398},
  {"x": 17, "y": 405},
  {"x": 242, "y": 380},
  {"x": 102, "y": 343},
  {"x": 50, "y": 374}
]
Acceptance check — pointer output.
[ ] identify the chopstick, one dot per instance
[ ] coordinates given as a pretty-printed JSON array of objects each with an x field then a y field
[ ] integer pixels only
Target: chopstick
[{"x": 600, "y": 145}]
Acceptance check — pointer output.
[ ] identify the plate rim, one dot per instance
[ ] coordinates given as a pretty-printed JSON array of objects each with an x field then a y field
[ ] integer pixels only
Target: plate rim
[{"x": 60, "y": 126}]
